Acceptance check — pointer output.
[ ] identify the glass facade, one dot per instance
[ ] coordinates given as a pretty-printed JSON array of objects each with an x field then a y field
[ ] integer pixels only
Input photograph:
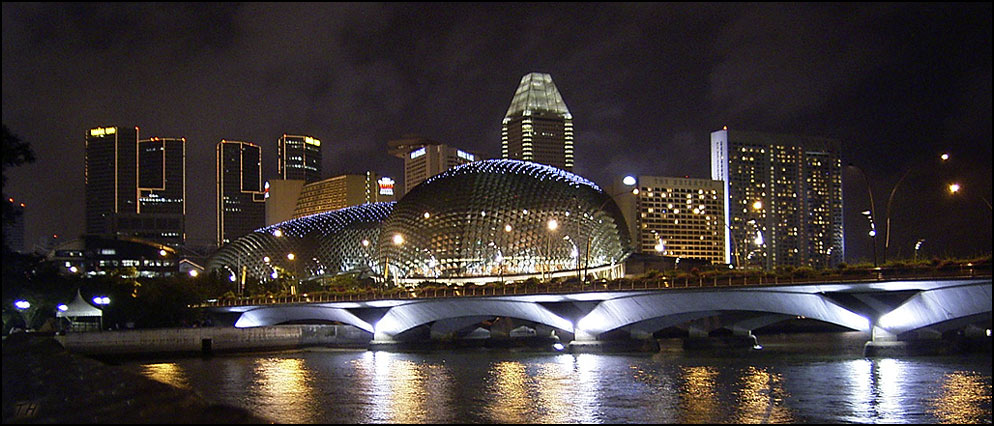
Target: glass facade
[
  {"x": 322, "y": 244},
  {"x": 483, "y": 219}
]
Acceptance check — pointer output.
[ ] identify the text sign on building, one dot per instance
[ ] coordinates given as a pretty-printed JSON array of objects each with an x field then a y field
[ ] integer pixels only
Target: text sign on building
[{"x": 386, "y": 186}]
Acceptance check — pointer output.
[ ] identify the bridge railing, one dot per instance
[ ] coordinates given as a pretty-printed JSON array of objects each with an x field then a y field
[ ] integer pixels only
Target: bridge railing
[{"x": 657, "y": 282}]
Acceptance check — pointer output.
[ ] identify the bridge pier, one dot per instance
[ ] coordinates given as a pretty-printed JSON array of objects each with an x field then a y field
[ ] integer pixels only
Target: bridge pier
[
  {"x": 700, "y": 338},
  {"x": 636, "y": 341}
]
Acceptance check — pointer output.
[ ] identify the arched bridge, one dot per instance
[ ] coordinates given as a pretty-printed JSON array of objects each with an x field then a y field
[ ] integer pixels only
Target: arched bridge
[{"x": 887, "y": 308}]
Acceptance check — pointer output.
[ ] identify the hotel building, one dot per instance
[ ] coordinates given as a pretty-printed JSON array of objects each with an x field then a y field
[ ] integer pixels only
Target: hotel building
[
  {"x": 784, "y": 203},
  {"x": 674, "y": 216}
]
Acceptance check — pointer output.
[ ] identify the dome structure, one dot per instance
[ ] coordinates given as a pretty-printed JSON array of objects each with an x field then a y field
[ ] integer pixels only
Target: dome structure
[
  {"x": 321, "y": 244},
  {"x": 502, "y": 217}
]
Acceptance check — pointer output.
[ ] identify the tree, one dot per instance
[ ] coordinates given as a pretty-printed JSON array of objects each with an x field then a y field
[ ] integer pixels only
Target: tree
[{"x": 15, "y": 153}]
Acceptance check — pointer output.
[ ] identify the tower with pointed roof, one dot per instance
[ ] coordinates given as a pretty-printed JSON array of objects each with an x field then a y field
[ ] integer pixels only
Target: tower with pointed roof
[{"x": 538, "y": 127}]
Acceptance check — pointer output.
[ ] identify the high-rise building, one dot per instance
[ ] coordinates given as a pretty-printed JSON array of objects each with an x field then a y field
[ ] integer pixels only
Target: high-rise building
[
  {"x": 343, "y": 191},
  {"x": 135, "y": 188},
  {"x": 299, "y": 158},
  {"x": 424, "y": 158},
  {"x": 538, "y": 127},
  {"x": 241, "y": 206},
  {"x": 110, "y": 175},
  {"x": 675, "y": 216},
  {"x": 784, "y": 203},
  {"x": 161, "y": 211},
  {"x": 13, "y": 231}
]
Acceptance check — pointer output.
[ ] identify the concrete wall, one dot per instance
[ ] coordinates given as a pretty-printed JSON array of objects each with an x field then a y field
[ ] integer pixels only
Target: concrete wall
[{"x": 213, "y": 339}]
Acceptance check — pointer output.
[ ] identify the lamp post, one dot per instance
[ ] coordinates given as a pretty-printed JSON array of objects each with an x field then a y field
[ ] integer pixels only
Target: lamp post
[
  {"x": 872, "y": 234},
  {"x": 627, "y": 181},
  {"x": 552, "y": 226},
  {"x": 23, "y": 307},
  {"x": 101, "y": 301},
  {"x": 918, "y": 246},
  {"x": 955, "y": 188},
  {"x": 943, "y": 158}
]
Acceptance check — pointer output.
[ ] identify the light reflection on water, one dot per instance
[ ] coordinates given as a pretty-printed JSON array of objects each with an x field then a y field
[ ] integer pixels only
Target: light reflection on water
[
  {"x": 965, "y": 397},
  {"x": 506, "y": 387}
]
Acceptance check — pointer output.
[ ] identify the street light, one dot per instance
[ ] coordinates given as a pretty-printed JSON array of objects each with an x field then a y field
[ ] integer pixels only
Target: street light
[
  {"x": 101, "y": 301},
  {"x": 918, "y": 246},
  {"x": 872, "y": 234},
  {"x": 552, "y": 225},
  {"x": 944, "y": 157},
  {"x": 955, "y": 188}
]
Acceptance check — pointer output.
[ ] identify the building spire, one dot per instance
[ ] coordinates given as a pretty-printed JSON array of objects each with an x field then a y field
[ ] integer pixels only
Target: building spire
[{"x": 537, "y": 93}]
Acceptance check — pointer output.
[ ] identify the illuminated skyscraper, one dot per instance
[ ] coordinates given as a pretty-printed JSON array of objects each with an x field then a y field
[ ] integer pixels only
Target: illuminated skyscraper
[
  {"x": 424, "y": 158},
  {"x": 343, "y": 191},
  {"x": 161, "y": 215},
  {"x": 675, "y": 216},
  {"x": 299, "y": 158},
  {"x": 538, "y": 127},
  {"x": 784, "y": 203},
  {"x": 110, "y": 175},
  {"x": 241, "y": 206}
]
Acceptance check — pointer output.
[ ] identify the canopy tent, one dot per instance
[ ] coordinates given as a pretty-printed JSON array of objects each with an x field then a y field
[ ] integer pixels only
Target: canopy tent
[{"x": 78, "y": 310}]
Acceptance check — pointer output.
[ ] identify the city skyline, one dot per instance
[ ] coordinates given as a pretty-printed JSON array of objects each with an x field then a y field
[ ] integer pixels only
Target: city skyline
[{"x": 646, "y": 84}]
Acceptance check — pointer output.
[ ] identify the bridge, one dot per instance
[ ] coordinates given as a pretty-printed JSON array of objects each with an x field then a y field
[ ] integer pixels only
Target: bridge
[{"x": 892, "y": 312}]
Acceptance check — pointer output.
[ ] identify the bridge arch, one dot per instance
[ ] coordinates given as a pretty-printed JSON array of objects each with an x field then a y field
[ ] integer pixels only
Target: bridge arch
[
  {"x": 404, "y": 317},
  {"x": 664, "y": 309},
  {"x": 272, "y": 315},
  {"x": 941, "y": 305}
]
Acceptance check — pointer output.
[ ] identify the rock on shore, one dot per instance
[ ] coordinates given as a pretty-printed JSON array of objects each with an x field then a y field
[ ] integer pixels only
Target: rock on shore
[{"x": 43, "y": 383}]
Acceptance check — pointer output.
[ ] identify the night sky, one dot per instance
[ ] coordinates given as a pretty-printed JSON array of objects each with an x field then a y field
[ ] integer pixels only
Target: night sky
[{"x": 646, "y": 84}]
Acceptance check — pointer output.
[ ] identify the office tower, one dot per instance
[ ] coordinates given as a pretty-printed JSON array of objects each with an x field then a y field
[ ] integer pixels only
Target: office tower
[
  {"x": 784, "y": 203},
  {"x": 110, "y": 175},
  {"x": 538, "y": 127},
  {"x": 675, "y": 216},
  {"x": 161, "y": 212},
  {"x": 343, "y": 191},
  {"x": 424, "y": 158},
  {"x": 299, "y": 158},
  {"x": 13, "y": 231},
  {"x": 241, "y": 206}
]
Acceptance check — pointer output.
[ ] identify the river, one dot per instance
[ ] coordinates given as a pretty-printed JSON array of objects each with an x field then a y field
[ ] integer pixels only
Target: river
[{"x": 796, "y": 378}]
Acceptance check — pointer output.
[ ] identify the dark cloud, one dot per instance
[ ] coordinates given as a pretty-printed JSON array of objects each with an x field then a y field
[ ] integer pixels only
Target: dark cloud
[{"x": 646, "y": 83}]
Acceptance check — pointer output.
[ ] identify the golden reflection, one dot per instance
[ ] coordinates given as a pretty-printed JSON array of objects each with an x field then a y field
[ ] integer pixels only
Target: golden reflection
[
  {"x": 283, "y": 390},
  {"x": 965, "y": 397},
  {"x": 551, "y": 395},
  {"x": 761, "y": 398},
  {"x": 699, "y": 402},
  {"x": 168, "y": 372},
  {"x": 408, "y": 392}
]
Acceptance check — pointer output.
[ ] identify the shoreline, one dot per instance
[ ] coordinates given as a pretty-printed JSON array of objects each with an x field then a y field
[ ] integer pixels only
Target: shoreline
[{"x": 44, "y": 383}]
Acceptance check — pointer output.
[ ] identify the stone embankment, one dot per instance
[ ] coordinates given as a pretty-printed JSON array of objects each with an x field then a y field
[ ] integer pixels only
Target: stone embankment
[{"x": 211, "y": 340}]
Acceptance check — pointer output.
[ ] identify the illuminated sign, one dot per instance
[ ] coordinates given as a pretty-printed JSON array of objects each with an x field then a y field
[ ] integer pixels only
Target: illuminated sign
[
  {"x": 101, "y": 131},
  {"x": 417, "y": 153},
  {"x": 465, "y": 155},
  {"x": 266, "y": 191},
  {"x": 312, "y": 141},
  {"x": 386, "y": 186}
]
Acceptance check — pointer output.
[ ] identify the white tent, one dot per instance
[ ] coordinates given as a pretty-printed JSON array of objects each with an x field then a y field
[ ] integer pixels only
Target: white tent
[{"x": 78, "y": 309}]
